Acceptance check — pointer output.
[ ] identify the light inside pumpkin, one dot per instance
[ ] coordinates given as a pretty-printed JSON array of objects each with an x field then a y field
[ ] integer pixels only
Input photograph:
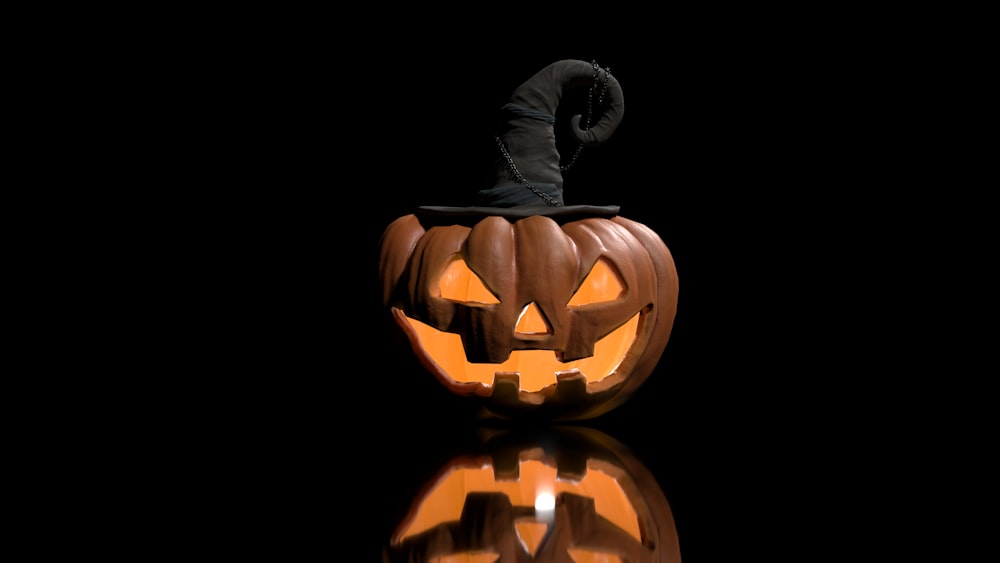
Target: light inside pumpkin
[
  {"x": 537, "y": 369},
  {"x": 601, "y": 284},
  {"x": 545, "y": 502},
  {"x": 481, "y": 557},
  {"x": 536, "y": 484},
  {"x": 459, "y": 283}
]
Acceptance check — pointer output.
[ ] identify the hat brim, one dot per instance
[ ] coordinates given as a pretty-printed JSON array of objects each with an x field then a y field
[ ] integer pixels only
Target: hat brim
[{"x": 521, "y": 211}]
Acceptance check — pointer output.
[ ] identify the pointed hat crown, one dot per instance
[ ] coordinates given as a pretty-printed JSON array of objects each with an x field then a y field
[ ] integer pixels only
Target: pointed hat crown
[{"x": 528, "y": 179}]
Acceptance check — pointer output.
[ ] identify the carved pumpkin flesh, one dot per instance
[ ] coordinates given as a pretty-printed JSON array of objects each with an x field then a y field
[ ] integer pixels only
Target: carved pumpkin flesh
[{"x": 532, "y": 315}]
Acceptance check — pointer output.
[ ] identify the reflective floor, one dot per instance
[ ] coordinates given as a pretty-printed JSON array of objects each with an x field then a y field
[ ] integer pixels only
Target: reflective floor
[
  {"x": 558, "y": 493},
  {"x": 288, "y": 433},
  {"x": 450, "y": 483}
]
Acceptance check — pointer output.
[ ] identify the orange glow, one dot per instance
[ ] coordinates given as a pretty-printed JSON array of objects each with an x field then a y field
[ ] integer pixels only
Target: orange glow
[
  {"x": 459, "y": 283},
  {"x": 537, "y": 368},
  {"x": 601, "y": 284},
  {"x": 532, "y": 321},
  {"x": 587, "y": 556},
  {"x": 482, "y": 557},
  {"x": 444, "y": 503},
  {"x": 531, "y": 534}
]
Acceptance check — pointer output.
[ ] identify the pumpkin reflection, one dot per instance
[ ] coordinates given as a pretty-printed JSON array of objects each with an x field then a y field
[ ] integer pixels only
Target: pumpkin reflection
[{"x": 564, "y": 494}]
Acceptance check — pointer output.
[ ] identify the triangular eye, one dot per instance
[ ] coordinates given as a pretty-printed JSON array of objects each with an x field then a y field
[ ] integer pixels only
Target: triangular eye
[
  {"x": 603, "y": 283},
  {"x": 459, "y": 283}
]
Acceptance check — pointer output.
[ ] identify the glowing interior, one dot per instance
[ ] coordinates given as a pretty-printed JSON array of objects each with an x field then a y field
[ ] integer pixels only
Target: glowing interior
[
  {"x": 444, "y": 503},
  {"x": 481, "y": 557},
  {"x": 537, "y": 368},
  {"x": 578, "y": 556},
  {"x": 459, "y": 283},
  {"x": 601, "y": 284}
]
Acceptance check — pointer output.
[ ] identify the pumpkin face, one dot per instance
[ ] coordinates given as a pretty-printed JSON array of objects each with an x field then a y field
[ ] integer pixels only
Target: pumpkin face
[
  {"x": 569, "y": 494},
  {"x": 532, "y": 316}
]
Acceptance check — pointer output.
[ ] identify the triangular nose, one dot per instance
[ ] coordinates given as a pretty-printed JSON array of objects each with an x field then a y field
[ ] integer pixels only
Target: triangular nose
[
  {"x": 532, "y": 534},
  {"x": 532, "y": 321}
]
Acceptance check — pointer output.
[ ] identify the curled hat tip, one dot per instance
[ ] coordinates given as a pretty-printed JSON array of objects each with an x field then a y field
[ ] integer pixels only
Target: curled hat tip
[{"x": 527, "y": 141}]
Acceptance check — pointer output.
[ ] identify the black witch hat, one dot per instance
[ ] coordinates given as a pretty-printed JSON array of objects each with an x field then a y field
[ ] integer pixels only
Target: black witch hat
[{"x": 529, "y": 171}]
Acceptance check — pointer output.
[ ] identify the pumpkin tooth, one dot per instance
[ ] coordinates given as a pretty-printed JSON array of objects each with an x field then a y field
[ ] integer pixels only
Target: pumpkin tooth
[
  {"x": 506, "y": 387},
  {"x": 571, "y": 386},
  {"x": 569, "y": 376}
]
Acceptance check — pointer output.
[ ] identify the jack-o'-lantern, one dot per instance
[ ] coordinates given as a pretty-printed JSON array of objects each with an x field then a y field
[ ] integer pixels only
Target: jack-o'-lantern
[
  {"x": 529, "y": 306},
  {"x": 564, "y": 494}
]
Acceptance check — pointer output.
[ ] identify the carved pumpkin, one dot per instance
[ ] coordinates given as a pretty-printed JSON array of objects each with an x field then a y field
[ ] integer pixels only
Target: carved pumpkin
[
  {"x": 530, "y": 306},
  {"x": 532, "y": 316},
  {"x": 568, "y": 494}
]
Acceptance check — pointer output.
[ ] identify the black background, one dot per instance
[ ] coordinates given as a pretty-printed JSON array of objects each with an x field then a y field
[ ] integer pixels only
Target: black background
[{"x": 758, "y": 153}]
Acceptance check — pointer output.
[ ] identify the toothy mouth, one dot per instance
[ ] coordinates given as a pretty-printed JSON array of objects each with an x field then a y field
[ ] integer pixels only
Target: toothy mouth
[
  {"x": 444, "y": 503},
  {"x": 534, "y": 369}
]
